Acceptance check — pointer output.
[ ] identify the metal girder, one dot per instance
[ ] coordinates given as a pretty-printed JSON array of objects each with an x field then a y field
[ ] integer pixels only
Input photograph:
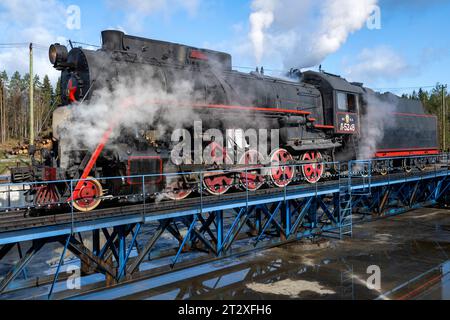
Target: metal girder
[
  {"x": 151, "y": 243},
  {"x": 326, "y": 211},
  {"x": 80, "y": 250},
  {"x": 206, "y": 225},
  {"x": 200, "y": 233},
  {"x": 219, "y": 231},
  {"x": 173, "y": 229},
  {"x": 444, "y": 189},
  {"x": 412, "y": 198},
  {"x": 220, "y": 245},
  {"x": 61, "y": 261},
  {"x": 13, "y": 273},
  {"x": 271, "y": 215},
  {"x": 110, "y": 238},
  {"x": 5, "y": 249},
  {"x": 96, "y": 242},
  {"x": 395, "y": 199},
  {"x": 232, "y": 234},
  {"x": 186, "y": 237},
  {"x": 123, "y": 264},
  {"x": 300, "y": 217}
]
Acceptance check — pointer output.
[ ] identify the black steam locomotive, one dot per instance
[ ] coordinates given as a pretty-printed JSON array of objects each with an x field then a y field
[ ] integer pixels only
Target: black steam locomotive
[{"x": 320, "y": 118}]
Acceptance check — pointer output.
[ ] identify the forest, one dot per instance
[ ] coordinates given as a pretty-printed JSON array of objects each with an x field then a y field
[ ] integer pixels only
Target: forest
[{"x": 14, "y": 106}]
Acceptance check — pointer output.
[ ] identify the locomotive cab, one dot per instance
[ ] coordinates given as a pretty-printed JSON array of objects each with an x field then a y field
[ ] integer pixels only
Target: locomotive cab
[{"x": 341, "y": 101}]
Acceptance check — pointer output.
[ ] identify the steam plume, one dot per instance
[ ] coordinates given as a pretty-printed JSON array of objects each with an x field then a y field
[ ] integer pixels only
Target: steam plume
[
  {"x": 143, "y": 101},
  {"x": 260, "y": 21},
  {"x": 304, "y": 32},
  {"x": 375, "y": 122},
  {"x": 135, "y": 102}
]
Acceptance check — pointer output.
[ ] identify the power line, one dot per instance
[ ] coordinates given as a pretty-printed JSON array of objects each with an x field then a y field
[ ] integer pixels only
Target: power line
[
  {"x": 14, "y": 44},
  {"x": 405, "y": 88},
  {"x": 86, "y": 44},
  {"x": 22, "y": 45}
]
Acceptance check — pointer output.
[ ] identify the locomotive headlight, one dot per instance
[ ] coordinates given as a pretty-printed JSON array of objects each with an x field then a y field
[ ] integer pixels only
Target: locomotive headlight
[{"x": 57, "y": 54}]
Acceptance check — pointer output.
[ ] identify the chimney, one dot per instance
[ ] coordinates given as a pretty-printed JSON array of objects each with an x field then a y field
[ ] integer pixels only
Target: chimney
[{"x": 112, "y": 40}]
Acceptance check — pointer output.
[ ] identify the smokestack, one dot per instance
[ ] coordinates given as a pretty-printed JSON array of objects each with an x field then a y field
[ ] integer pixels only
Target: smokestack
[{"x": 112, "y": 40}]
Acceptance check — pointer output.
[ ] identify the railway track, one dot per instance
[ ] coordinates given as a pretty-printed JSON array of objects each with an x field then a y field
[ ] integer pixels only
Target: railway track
[{"x": 17, "y": 220}]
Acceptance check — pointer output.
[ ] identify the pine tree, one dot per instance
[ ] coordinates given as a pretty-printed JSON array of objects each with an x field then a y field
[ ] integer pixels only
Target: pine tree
[
  {"x": 15, "y": 106},
  {"x": 57, "y": 100},
  {"x": 4, "y": 77},
  {"x": 423, "y": 96},
  {"x": 14, "y": 83},
  {"x": 47, "y": 103}
]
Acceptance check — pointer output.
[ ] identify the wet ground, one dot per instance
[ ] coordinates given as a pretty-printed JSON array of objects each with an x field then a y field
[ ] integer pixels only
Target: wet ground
[
  {"x": 408, "y": 250},
  {"x": 411, "y": 253}
]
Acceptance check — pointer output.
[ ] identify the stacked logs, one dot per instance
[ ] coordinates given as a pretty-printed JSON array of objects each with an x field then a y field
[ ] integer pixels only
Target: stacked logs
[
  {"x": 22, "y": 149},
  {"x": 19, "y": 150}
]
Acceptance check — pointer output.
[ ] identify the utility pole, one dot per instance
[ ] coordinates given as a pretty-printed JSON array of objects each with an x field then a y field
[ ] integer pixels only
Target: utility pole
[
  {"x": 444, "y": 119},
  {"x": 31, "y": 98},
  {"x": 3, "y": 123},
  {"x": 1, "y": 113}
]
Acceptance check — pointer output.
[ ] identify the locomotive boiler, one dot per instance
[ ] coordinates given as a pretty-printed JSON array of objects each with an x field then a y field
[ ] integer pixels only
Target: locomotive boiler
[{"x": 319, "y": 118}]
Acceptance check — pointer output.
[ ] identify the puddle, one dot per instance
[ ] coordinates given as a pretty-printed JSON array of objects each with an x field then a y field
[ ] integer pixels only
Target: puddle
[
  {"x": 383, "y": 237},
  {"x": 291, "y": 288}
]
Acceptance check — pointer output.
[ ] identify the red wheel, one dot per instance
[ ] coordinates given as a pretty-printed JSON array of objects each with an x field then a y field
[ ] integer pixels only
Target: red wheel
[
  {"x": 314, "y": 171},
  {"x": 281, "y": 175},
  {"x": 251, "y": 179},
  {"x": 89, "y": 195},
  {"x": 176, "y": 188},
  {"x": 218, "y": 183}
]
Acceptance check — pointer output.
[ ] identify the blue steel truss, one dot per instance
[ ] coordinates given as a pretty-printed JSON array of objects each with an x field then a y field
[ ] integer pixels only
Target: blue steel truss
[{"x": 232, "y": 225}]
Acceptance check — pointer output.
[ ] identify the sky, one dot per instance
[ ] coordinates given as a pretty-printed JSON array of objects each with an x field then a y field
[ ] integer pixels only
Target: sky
[{"x": 390, "y": 45}]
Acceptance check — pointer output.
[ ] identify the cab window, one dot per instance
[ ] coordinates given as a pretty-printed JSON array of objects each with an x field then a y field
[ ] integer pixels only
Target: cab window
[{"x": 347, "y": 102}]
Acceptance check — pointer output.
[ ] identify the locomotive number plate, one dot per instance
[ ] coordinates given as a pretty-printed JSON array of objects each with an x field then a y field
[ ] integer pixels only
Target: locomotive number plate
[{"x": 347, "y": 122}]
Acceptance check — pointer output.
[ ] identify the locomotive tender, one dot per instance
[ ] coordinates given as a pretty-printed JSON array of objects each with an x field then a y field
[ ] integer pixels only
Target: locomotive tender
[{"x": 320, "y": 118}]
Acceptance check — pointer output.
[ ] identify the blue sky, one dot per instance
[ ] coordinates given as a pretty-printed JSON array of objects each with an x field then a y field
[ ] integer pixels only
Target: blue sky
[{"x": 411, "y": 49}]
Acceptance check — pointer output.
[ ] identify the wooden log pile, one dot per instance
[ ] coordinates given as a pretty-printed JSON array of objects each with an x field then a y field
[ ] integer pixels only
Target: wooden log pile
[{"x": 22, "y": 149}]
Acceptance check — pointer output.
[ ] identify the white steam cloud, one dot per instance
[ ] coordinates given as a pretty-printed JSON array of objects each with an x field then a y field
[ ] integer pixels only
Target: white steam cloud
[
  {"x": 378, "y": 63},
  {"x": 304, "y": 32},
  {"x": 375, "y": 122},
  {"x": 136, "y": 102},
  {"x": 261, "y": 19}
]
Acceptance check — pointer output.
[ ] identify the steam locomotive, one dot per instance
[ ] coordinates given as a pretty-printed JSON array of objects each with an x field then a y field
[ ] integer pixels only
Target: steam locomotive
[{"x": 320, "y": 118}]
